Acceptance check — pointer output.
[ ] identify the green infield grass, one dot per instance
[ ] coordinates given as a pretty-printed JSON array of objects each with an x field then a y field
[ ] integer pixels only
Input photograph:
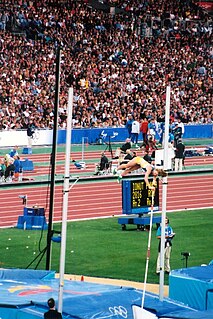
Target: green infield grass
[{"x": 99, "y": 248}]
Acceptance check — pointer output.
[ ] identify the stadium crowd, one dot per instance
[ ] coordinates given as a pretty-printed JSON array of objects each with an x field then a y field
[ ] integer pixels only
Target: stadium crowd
[{"x": 119, "y": 64}]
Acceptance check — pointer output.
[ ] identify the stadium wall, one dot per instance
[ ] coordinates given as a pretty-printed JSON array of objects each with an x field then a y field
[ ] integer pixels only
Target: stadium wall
[{"x": 91, "y": 135}]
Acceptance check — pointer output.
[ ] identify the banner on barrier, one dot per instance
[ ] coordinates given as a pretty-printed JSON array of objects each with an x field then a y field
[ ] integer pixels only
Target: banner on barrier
[{"x": 93, "y": 135}]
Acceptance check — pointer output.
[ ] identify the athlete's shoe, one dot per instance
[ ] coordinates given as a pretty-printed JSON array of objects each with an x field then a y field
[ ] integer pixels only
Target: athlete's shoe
[
  {"x": 119, "y": 178},
  {"x": 114, "y": 171}
]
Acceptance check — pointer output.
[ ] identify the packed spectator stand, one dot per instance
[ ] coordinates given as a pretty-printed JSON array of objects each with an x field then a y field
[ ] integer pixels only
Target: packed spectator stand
[{"x": 118, "y": 60}]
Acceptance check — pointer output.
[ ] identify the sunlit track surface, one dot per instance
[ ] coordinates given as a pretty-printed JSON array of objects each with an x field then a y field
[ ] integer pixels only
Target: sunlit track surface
[
  {"x": 42, "y": 163},
  {"x": 102, "y": 199},
  {"x": 190, "y": 192},
  {"x": 96, "y": 155},
  {"x": 198, "y": 160}
]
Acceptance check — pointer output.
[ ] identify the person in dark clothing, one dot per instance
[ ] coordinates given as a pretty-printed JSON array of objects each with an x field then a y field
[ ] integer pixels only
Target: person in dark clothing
[
  {"x": 104, "y": 162},
  {"x": 147, "y": 157},
  {"x": 177, "y": 131},
  {"x": 129, "y": 125},
  {"x": 30, "y": 132},
  {"x": 14, "y": 151},
  {"x": 129, "y": 155},
  {"x": 179, "y": 155},
  {"x": 2, "y": 170},
  {"x": 103, "y": 165},
  {"x": 123, "y": 149},
  {"x": 52, "y": 313},
  {"x": 126, "y": 146},
  {"x": 10, "y": 168},
  {"x": 149, "y": 149}
]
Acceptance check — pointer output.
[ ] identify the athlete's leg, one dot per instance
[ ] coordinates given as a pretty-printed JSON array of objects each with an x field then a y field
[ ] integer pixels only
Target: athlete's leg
[
  {"x": 122, "y": 166},
  {"x": 167, "y": 258},
  {"x": 130, "y": 169}
]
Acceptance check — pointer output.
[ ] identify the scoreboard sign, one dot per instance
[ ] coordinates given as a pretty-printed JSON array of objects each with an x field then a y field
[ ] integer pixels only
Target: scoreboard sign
[{"x": 137, "y": 198}]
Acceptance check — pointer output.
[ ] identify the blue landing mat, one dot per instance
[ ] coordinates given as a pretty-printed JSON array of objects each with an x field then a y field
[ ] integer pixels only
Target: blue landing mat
[{"x": 24, "y": 295}]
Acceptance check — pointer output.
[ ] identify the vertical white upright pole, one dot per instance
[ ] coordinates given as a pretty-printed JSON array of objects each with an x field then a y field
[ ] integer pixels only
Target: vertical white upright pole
[
  {"x": 164, "y": 193},
  {"x": 65, "y": 199},
  {"x": 82, "y": 155}
]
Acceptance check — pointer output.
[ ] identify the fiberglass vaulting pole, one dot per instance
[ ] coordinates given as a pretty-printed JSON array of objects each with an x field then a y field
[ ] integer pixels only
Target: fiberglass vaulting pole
[
  {"x": 148, "y": 250},
  {"x": 66, "y": 189},
  {"x": 164, "y": 193},
  {"x": 53, "y": 158}
]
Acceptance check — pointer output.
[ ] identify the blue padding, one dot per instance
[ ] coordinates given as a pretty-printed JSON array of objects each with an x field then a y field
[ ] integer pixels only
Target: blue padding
[
  {"x": 27, "y": 165},
  {"x": 193, "y": 286},
  {"x": 93, "y": 135},
  {"x": 20, "y": 274},
  {"x": 31, "y": 312},
  {"x": 119, "y": 134},
  {"x": 198, "y": 131},
  {"x": 32, "y": 222},
  {"x": 27, "y": 150},
  {"x": 203, "y": 273}
]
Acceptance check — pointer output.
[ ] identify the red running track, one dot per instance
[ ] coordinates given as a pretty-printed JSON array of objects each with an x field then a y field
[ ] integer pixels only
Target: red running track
[
  {"x": 90, "y": 166},
  {"x": 102, "y": 199}
]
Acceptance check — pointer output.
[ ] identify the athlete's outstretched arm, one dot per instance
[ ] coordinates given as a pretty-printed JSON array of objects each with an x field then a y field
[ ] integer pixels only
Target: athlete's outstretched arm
[{"x": 146, "y": 177}]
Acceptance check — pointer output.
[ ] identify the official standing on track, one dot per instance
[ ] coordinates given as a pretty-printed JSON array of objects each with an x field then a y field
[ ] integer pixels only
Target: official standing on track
[
  {"x": 30, "y": 133},
  {"x": 179, "y": 155}
]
